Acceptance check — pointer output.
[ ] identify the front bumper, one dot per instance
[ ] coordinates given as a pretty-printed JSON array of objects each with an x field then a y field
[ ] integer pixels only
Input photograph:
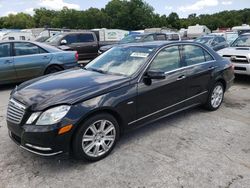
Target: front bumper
[
  {"x": 240, "y": 68},
  {"x": 43, "y": 141}
]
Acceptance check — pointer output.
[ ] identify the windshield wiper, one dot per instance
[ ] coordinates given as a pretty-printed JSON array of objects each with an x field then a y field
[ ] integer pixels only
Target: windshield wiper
[{"x": 95, "y": 70}]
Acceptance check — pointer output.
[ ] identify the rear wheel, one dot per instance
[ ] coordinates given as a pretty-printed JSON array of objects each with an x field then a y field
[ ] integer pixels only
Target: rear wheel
[
  {"x": 52, "y": 69},
  {"x": 96, "y": 137},
  {"x": 215, "y": 97}
]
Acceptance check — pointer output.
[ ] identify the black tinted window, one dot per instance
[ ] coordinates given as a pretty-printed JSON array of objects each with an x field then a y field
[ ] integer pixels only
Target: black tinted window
[
  {"x": 222, "y": 39},
  {"x": 160, "y": 37},
  {"x": 193, "y": 54},
  {"x": 5, "y": 50},
  {"x": 26, "y": 49},
  {"x": 168, "y": 59},
  {"x": 70, "y": 39},
  {"x": 88, "y": 37},
  {"x": 148, "y": 38}
]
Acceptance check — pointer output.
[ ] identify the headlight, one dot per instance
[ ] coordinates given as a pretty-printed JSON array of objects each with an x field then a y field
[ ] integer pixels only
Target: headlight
[
  {"x": 50, "y": 116},
  {"x": 33, "y": 117}
]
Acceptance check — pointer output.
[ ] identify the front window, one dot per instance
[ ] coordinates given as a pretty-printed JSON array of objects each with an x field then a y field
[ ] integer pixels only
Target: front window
[
  {"x": 167, "y": 60},
  {"x": 204, "y": 40},
  {"x": 231, "y": 37},
  {"x": 130, "y": 39},
  {"x": 123, "y": 61},
  {"x": 55, "y": 38},
  {"x": 242, "y": 41}
]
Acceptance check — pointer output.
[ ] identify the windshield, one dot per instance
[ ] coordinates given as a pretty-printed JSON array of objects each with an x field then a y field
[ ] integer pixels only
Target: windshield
[
  {"x": 55, "y": 38},
  {"x": 130, "y": 39},
  {"x": 204, "y": 40},
  {"x": 123, "y": 61},
  {"x": 231, "y": 37},
  {"x": 242, "y": 41}
]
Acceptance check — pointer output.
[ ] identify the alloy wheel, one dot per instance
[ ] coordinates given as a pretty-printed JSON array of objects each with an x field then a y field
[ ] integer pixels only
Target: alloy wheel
[
  {"x": 98, "y": 138},
  {"x": 217, "y": 96}
]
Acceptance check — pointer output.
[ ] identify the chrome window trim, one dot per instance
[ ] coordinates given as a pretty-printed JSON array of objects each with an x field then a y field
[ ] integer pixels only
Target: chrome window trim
[
  {"x": 167, "y": 107},
  {"x": 177, "y": 44}
]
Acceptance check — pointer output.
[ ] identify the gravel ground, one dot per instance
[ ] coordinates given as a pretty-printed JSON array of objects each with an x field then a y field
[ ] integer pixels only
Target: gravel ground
[{"x": 195, "y": 148}]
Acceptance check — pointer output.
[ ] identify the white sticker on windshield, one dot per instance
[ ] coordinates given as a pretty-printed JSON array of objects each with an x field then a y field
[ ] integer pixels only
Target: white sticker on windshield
[{"x": 139, "y": 54}]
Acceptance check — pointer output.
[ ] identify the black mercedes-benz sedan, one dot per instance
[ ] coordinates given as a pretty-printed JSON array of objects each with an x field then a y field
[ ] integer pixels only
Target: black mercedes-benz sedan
[{"x": 84, "y": 111}]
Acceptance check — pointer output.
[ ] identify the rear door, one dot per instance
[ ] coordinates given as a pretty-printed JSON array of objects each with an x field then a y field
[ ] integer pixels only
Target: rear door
[
  {"x": 199, "y": 66},
  {"x": 7, "y": 69},
  {"x": 87, "y": 46},
  {"x": 30, "y": 60}
]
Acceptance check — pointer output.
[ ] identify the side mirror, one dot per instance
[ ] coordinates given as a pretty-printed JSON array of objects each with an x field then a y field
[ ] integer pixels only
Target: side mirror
[
  {"x": 63, "y": 42},
  {"x": 155, "y": 74}
]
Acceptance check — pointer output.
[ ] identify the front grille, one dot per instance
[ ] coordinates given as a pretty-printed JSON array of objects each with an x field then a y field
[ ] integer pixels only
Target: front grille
[
  {"x": 15, "y": 111},
  {"x": 237, "y": 58}
]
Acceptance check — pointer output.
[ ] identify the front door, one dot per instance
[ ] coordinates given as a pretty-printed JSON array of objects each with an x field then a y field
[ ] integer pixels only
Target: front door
[{"x": 166, "y": 95}]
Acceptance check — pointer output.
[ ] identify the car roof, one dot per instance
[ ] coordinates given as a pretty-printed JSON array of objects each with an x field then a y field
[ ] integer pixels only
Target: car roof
[
  {"x": 144, "y": 34},
  {"x": 43, "y": 45},
  {"x": 158, "y": 44}
]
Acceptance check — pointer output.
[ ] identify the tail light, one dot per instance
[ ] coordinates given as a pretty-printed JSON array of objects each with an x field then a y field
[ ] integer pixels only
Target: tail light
[{"x": 76, "y": 56}]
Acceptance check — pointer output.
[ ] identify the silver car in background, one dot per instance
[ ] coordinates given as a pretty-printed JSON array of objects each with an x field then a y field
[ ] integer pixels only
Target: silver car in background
[
  {"x": 239, "y": 54},
  {"x": 23, "y": 60}
]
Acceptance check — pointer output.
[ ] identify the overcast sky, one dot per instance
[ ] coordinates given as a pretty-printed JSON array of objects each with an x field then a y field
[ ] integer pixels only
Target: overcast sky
[{"x": 183, "y": 7}]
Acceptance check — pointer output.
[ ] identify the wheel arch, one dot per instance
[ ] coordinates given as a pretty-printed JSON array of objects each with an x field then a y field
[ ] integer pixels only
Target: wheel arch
[
  {"x": 223, "y": 82},
  {"x": 110, "y": 111},
  {"x": 51, "y": 65}
]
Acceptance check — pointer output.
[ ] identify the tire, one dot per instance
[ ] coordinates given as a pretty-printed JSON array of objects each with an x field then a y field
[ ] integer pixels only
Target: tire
[
  {"x": 96, "y": 145},
  {"x": 52, "y": 69},
  {"x": 215, "y": 97}
]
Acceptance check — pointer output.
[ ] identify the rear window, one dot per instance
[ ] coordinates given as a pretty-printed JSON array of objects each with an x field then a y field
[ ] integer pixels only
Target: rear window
[
  {"x": 23, "y": 48},
  {"x": 88, "y": 37},
  {"x": 160, "y": 37},
  {"x": 5, "y": 50},
  {"x": 71, "y": 39},
  {"x": 195, "y": 55}
]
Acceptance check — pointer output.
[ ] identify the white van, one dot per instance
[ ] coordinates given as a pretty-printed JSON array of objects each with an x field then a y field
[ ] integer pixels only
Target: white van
[{"x": 197, "y": 30}]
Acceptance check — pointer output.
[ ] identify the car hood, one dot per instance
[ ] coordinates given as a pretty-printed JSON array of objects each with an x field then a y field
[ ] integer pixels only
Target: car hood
[
  {"x": 68, "y": 87},
  {"x": 243, "y": 51},
  {"x": 107, "y": 47}
]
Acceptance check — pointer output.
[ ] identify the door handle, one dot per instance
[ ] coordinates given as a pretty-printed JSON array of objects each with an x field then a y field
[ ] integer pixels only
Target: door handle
[
  {"x": 45, "y": 57},
  {"x": 181, "y": 77},
  {"x": 7, "y": 61},
  {"x": 211, "y": 68}
]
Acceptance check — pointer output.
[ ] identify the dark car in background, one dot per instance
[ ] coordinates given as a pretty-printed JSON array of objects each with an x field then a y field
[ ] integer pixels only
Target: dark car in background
[
  {"x": 213, "y": 41},
  {"x": 143, "y": 37},
  {"x": 85, "y": 110},
  {"x": 84, "y": 42},
  {"x": 22, "y": 60}
]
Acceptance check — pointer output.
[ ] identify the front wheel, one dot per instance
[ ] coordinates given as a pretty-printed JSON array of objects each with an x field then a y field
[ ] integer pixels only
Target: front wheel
[
  {"x": 215, "y": 97},
  {"x": 96, "y": 137}
]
